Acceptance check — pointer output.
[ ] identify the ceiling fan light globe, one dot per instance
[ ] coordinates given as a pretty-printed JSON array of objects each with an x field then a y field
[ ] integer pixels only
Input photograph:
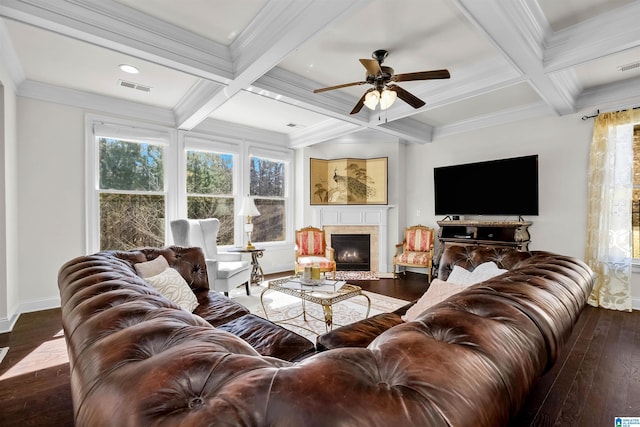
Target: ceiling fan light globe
[
  {"x": 387, "y": 98},
  {"x": 371, "y": 99}
]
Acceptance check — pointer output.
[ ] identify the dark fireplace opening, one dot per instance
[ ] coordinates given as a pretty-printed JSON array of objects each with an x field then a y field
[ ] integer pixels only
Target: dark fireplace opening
[{"x": 352, "y": 251}]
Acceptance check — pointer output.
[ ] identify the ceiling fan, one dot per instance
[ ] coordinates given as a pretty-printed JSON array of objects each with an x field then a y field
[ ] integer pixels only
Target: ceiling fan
[{"x": 384, "y": 91}]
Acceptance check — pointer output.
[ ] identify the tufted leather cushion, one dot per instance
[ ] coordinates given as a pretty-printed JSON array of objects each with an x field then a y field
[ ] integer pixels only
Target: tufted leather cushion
[
  {"x": 469, "y": 257},
  {"x": 137, "y": 359}
]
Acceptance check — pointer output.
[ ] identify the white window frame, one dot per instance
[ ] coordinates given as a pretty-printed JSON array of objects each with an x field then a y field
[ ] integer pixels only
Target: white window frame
[
  {"x": 285, "y": 156},
  {"x": 100, "y": 126},
  {"x": 214, "y": 145}
]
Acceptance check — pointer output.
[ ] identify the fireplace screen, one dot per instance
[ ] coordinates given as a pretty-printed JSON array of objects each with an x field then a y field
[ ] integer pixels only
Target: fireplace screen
[{"x": 352, "y": 251}]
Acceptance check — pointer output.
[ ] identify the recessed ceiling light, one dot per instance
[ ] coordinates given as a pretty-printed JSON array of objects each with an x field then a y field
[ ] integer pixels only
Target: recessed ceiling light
[{"x": 129, "y": 69}]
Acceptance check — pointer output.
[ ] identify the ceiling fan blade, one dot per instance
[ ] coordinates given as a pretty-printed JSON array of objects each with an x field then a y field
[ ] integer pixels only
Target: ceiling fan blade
[
  {"x": 360, "y": 103},
  {"x": 372, "y": 66},
  {"x": 421, "y": 75},
  {"x": 324, "y": 89},
  {"x": 407, "y": 97}
]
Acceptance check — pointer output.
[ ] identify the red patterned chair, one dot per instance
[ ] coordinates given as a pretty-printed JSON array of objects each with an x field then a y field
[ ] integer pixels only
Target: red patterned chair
[
  {"x": 312, "y": 249},
  {"x": 416, "y": 250}
]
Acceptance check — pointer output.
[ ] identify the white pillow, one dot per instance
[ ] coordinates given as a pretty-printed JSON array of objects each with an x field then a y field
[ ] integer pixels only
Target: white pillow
[
  {"x": 484, "y": 271},
  {"x": 459, "y": 275},
  {"x": 173, "y": 287},
  {"x": 152, "y": 268},
  {"x": 438, "y": 291}
]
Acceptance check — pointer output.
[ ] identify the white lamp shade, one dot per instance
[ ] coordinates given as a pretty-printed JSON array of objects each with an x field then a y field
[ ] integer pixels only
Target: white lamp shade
[
  {"x": 248, "y": 208},
  {"x": 371, "y": 99},
  {"x": 387, "y": 98}
]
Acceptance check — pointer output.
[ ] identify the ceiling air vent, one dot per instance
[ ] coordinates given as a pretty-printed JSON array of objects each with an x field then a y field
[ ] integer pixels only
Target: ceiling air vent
[
  {"x": 132, "y": 85},
  {"x": 628, "y": 67}
]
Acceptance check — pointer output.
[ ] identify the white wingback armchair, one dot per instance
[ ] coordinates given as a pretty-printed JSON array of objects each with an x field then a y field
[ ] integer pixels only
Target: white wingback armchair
[{"x": 226, "y": 271}]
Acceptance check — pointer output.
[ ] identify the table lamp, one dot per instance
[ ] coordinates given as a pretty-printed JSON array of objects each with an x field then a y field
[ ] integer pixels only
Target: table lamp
[{"x": 248, "y": 210}]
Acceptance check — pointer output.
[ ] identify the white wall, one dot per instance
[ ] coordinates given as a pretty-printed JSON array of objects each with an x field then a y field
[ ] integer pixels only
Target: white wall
[
  {"x": 51, "y": 197},
  {"x": 9, "y": 278}
]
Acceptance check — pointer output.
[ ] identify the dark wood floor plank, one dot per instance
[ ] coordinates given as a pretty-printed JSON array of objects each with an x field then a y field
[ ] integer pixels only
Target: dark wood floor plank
[
  {"x": 535, "y": 411},
  {"x": 553, "y": 388},
  {"x": 575, "y": 401},
  {"x": 631, "y": 405},
  {"x": 610, "y": 374}
]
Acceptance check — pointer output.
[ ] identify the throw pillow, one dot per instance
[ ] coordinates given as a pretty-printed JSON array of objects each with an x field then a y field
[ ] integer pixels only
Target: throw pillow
[
  {"x": 438, "y": 291},
  {"x": 459, "y": 275},
  {"x": 173, "y": 287},
  {"x": 484, "y": 271},
  {"x": 152, "y": 268}
]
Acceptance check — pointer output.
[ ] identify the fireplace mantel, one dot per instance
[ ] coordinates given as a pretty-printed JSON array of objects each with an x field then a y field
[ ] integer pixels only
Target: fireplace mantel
[{"x": 355, "y": 216}]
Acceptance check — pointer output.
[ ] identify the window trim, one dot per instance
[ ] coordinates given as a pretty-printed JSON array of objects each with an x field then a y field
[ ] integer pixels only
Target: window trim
[
  {"x": 211, "y": 144},
  {"x": 285, "y": 156},
  {"x": 96, "y": 125}
]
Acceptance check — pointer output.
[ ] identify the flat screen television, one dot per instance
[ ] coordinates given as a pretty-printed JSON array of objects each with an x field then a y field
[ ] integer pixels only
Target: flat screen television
[{"x": 496, "y": 187}]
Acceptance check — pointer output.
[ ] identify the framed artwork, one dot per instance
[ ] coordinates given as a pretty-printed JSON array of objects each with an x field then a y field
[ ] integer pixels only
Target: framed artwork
[{"x": 349, "y": 181}]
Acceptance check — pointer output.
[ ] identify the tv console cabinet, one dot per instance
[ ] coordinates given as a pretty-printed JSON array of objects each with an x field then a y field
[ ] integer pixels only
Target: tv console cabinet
[{"x": 513, "y": 234}]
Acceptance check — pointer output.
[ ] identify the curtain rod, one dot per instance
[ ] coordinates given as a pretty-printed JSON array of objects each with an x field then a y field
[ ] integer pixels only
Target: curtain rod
[{"x": 598, "y": 112}]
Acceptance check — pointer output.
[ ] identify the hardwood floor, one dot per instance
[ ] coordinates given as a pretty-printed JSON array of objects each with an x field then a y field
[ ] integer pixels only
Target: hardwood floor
[{"x": 596, "y": 378}]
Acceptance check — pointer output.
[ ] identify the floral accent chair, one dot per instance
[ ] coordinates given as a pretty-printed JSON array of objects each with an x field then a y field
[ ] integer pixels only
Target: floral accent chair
[
  {"x": 312, "y": 249},
  {"x": 416, "y": 250}
]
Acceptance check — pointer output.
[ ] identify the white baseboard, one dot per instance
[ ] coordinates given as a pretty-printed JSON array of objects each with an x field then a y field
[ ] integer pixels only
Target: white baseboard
[{"x": 7, "y": 324}]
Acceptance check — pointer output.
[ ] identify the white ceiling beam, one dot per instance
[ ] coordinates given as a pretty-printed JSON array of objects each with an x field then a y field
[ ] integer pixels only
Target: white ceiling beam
[
  {"x": 278, "y": 29},
  {"x": 517, "y": 32}
]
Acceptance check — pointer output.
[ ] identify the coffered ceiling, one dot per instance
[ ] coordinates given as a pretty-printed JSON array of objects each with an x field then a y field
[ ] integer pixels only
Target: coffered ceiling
[{"x": 251, "y": 65}]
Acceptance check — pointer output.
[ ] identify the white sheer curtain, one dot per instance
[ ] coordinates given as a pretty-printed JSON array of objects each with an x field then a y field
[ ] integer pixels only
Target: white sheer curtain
[{"x": 609, "y": 230}]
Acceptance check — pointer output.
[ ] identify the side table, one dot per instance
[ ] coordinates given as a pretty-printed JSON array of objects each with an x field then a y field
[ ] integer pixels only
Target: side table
[{"x": 257, "y": 275}]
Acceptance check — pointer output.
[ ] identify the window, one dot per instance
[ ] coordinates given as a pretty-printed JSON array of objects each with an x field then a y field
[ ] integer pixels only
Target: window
[
  {"x": 131, "y": 194},
  {"x": 268, "y": 184},
  {"x": 210, "y": 190},
  {"x": 141, "y": 177}
]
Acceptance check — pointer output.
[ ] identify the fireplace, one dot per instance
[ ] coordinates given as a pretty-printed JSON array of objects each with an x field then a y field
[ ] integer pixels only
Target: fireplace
[
  {"x": 352, "y": 251},
  {"x": 370, "y": 220}
]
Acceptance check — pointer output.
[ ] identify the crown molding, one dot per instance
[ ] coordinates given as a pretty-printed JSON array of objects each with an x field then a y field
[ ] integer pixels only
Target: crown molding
[
  {"x": 526, "y": 112},
  {"x": 605, "y": 34},
  {"x": 95, "y": 102},
  {"x": 9, "y": 58},
  {"x": 238, "y": 132},
  {"x": 192, "y": 108},
  {"x": 321, "y": 132},
  {"x": 618, "y": 95}
]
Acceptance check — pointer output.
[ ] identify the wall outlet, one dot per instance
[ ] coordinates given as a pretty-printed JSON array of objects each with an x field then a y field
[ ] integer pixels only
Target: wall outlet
[{"x": 418, "y": 212}]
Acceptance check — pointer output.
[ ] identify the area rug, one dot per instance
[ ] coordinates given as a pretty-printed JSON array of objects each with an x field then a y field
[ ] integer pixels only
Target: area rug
[
  {"x": 357, "y": 275},
  {"x": 280, "y": 306}
]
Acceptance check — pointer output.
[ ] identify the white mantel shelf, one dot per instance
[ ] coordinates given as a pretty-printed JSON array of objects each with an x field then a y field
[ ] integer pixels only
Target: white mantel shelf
[{"x": 357, "y": 215}]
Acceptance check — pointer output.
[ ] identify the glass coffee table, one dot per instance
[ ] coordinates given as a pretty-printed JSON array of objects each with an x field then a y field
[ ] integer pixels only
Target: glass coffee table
[{"x": 324, "y": 292}]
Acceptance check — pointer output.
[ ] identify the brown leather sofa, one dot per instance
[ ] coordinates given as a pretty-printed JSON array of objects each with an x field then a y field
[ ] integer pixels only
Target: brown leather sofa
[{"x": 138, "y": 360}]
